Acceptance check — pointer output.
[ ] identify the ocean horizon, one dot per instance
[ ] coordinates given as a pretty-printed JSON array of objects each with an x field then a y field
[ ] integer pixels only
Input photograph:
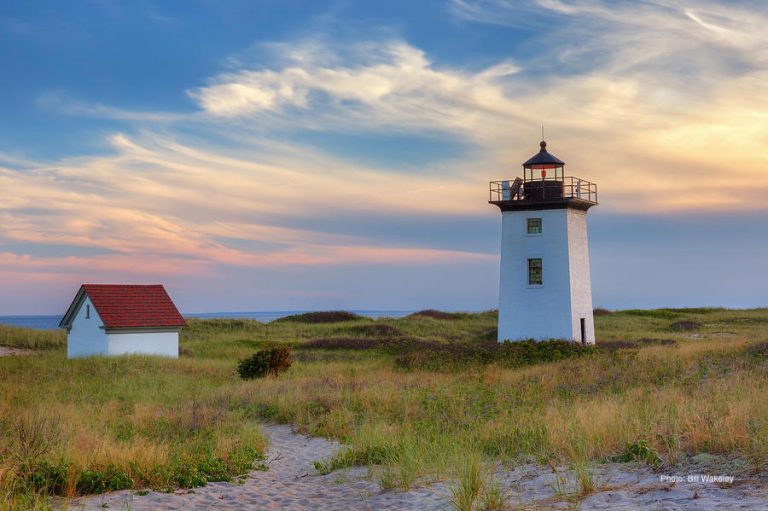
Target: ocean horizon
[{"x": 51, "y": 322}]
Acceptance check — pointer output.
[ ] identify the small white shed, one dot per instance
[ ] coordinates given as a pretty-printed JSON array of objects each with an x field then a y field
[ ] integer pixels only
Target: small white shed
[{"x": 120, "y": 319}]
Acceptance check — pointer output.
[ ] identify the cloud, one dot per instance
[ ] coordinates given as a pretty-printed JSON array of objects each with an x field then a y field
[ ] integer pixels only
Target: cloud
[
  {"x": 663, "y": 104},
  {"x": 372, "y": 85},
  {"x": 163, "y": 207},
  {"x": 64, "y": 104}
]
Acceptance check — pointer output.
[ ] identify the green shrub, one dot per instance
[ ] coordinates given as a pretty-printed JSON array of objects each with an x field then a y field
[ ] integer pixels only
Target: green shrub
[
  {"x": 188, "y": 476},
  {"x": 99, "y": 481},
  {"x": 642, "y": 452},
  {"x": 321, "y": 317},
  {"x": 374, "y": 330},
  {"x": 651, "y": 313},
  {"x": 758, "y": 350},
  {"x": 47, "y": 478},
  {"x": 344, "y": 343},
  {"x": 436, "y": 314},
  {"x": 684, "y": 326},
  {"x": 417, "y": 355},
  {"x": 269, "y": 361},
  {"x": 370, "y": 455}
]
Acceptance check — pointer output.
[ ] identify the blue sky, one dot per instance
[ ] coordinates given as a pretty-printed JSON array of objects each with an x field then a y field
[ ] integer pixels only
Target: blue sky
[{"x": 297, "y": 155}]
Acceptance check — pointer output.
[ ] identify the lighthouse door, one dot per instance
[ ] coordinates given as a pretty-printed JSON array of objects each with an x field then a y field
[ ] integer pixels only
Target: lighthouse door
[{"x": 583, "y": 322}]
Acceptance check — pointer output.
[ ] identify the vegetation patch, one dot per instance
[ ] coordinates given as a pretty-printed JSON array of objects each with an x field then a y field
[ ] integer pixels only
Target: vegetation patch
[
  {"x": 651, "y": 313},
  {"x": 685, "y": 326},
  {"x": 599, "y": 311},
  {"x": 670, "y": 313},
  {"x": 422, "y": 403},
  {"x": 758, "y": 350},
  {"x": 619, "y": 345},
  {"x": 652, "y": 341},
  {"x": 697, "y": 310},
  {"x": 346, "y": 343},
  {"x": 414, "y": 354},
  {"x": 374, "y": 330},
  {"x": 436, "y": 314},
  {"x": 450, "y": 356},
  {"x": 640, "y": 451},
  {"x": 639, "y": 343},
  {"x": 16, "y": 337},
  {"x": 321, "y": 317},
  {"x": 369, "y": 455},
  {"x": 269, "y": 361}
]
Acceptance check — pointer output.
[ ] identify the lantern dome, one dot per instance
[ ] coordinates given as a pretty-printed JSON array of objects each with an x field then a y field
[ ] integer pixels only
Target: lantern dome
[{"x": 543, "y": 159}]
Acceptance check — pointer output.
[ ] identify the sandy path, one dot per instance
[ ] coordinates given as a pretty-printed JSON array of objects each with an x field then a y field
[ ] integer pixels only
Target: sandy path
[{"x": 292, "y": 484}]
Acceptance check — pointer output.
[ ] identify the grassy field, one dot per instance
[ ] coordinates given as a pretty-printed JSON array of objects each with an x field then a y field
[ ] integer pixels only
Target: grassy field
[{"x": 419, "y": 398}]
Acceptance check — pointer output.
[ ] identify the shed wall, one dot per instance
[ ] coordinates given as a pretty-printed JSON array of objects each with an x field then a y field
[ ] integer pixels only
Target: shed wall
[
  {"x": 87, "y": 336},
  {"x": 144, "y": 343}
]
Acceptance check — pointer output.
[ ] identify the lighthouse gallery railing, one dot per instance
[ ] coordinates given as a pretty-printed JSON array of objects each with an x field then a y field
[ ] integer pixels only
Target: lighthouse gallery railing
[{"x": 568, "y": 187}]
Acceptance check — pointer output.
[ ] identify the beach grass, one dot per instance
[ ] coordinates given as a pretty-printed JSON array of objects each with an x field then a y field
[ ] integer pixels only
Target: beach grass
[
  {"x": 28, "y": 338},
  {"x": 652, "y": 391}
]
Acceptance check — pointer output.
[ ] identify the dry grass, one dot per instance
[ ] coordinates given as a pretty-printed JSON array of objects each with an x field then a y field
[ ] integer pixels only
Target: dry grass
[
  {"x": 16, "y": 337},
  {"x": 678, "y": 392}
]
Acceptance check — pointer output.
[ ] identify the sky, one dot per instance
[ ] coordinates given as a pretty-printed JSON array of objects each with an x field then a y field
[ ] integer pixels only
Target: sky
[{"x": 293, "y": 155}]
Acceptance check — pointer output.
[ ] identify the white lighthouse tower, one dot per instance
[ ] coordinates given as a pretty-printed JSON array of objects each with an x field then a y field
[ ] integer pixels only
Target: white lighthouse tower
[{"x": 545, "y": 290}]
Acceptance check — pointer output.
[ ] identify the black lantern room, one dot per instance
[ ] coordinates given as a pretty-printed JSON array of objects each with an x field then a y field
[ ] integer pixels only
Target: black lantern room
[
  {"x": 543, "y": 175},
  {"x": 543, "y": 181}
]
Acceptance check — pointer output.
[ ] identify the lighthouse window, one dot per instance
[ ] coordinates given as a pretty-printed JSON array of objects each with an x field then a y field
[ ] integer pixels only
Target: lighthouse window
[
  {"x": 534, "y": 272},
  {"x": 534, "y": 226}
]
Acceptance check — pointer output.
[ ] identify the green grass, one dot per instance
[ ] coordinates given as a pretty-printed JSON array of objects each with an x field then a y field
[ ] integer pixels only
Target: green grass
[
  {"x": 16, "y": 337},
  {"x": 146, "y": 422}
]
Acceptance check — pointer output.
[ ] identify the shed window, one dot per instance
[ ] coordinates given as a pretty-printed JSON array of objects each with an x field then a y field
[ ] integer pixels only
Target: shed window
[
  {"x": 87, "y": 311},
  {"x": 534, "y": 272},
  {"x": 534, "y": 226}
]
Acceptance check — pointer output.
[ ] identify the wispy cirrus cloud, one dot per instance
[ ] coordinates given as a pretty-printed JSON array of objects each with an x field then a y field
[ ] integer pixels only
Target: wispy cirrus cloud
[
  {"x": 164, "y": 207},
  {"x": 372, "y": 85},
  {"x": 664, "y": 104},
  {"x": 644, "y": 97}
]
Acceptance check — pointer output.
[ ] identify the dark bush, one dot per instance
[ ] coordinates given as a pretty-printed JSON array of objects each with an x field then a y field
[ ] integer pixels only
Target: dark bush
[
  {"x": 47, "y": 478},
  {"x": 269, "y": 361},
  {"x": 758, "y": 350},
  {"x": 281, "y": 360},
  {"x": 685, "y": 326},
  {"x": 344, "y": 343},
  {"x": 648, "y": 341},
  {"x": 99, "y": 481},
  {"x": 651, "y": 313},
  {"x": 489, "y": 335},
  {"x": 321, "y": 317},
  {"x": 618, "y": 345},
  {"x": 697, "y": 310},
  {"x": 669, "y": 313},
  {"x": 374, "y": 330},
  {"x": 599, "y": 311},
  {"x": 188, "y": 476},
  {"x": 255, "y": 366},
  {"x": 446, "y": 357},
  {"x": 372, "y": 455},
  {"x": 640, "y": 451},
  {"x": 436, "y": 314}
]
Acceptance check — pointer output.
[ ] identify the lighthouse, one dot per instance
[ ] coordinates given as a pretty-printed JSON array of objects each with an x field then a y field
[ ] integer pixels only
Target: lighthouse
[{"x": 544, "y": 290}]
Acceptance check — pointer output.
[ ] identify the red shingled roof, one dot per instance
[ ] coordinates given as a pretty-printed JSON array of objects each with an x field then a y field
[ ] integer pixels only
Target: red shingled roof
[{"x": 134, "y": 306}]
